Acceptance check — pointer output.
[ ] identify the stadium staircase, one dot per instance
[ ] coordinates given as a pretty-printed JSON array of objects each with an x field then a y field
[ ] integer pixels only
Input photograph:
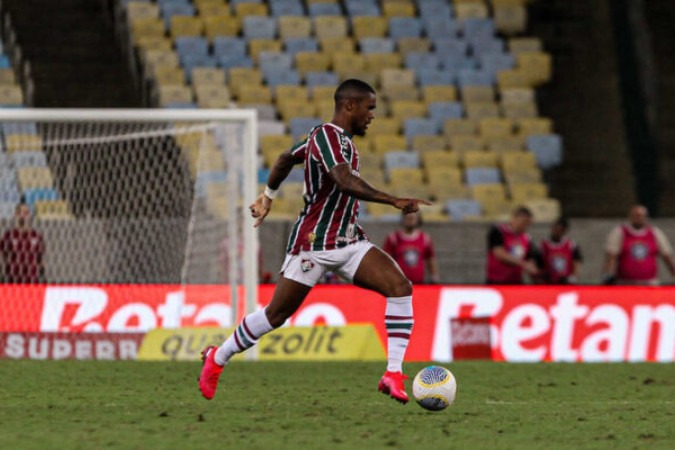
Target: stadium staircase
[
  {"x": 585, "y": 102},
  {"x": 74, "y": 56}
]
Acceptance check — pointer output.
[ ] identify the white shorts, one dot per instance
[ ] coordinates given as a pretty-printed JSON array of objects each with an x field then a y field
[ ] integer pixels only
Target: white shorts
[{"x": 309, "y": 267}]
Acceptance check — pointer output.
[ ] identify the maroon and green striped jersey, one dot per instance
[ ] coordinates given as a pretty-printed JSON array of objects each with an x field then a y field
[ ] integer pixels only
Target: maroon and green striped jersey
[{"x": 329, "y": 218}]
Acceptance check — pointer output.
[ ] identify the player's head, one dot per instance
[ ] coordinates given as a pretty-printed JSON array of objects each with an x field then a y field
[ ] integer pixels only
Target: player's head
[
  {"x": 638, "y": 216},
  {"x": 355, "y": 105},
  {"x": 411, "y": 221},
  {"x": 521, "y": 219},
  {"x": 22, "y": 214},
  {"x": 559, "y": 228}
]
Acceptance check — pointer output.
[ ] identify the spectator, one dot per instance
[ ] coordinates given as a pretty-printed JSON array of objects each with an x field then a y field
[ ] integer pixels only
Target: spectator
[
  {"x": 23, "y": 249},
  {"x": 632, "y": 248},
  {"x": 413, "y": 250},
  {"x": 510, "y": 250},
  {"x": 560, "y": 256}
]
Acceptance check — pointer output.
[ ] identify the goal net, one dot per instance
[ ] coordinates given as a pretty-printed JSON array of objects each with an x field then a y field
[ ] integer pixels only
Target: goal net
[{"x": 136, "y": 196}]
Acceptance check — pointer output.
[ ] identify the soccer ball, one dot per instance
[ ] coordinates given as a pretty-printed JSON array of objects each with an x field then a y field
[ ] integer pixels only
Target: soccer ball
[{"x": 434, "y": 388}]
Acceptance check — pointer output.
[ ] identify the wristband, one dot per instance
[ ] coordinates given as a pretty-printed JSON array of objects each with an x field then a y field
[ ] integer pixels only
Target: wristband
[{"x": 270, "y": 193}]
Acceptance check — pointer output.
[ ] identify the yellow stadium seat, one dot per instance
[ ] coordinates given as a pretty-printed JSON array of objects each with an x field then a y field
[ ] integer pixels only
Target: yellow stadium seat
[
  {"x": 439, "y": 159},
  {"x": 297, "y": 109},
  {"x": 155, "y": 58},
  {"x": 380, "y": 210},
  {"x": 213, "y": 8},
  {"x": 397, "y": 77},
  {"x": 173, "y": 93},
  {"x": 202, "y": 76},
  {"x": 431, "y": 94},
  {"x": 375, "y": 62},
  {"x": 322, "y": 93},
  {"x": 510, "y": 18},
  {"x": 465, "y": 142},
  {"x": 384, "y": 125},
  {"x": 256, "y": 46},
  {"x": 384, "y": 143},
  {"x": 405, "y": 176},
  {"x": 478, "y": 94},
  {"x": 481, "y": 192},
  {"x": 215, "y": 26},
  {"x": 11, "y": 94},
  {"x": 290, "y": 93},
  {"x": 444, "y": 176},
  {"x": 453, "y": 127},
  {"x": 513, "y": 161},
  {"x": 365, "y": 76},
  {"x": 368, "y": 26},
  {"x": 400, "y": 93},
  {"x": 425, "y": 143},
  {"x": 330, "y": 27},
  {"x": 364, "y": 144},
  {"x": 7, "y": 76},
  {"x": 434, "y": 213},
  {"x": 147, "y": 27},
  {"x": 535, "y": 125},
  {"x": 213, "y": 96},
  {"x": 412, "y": 191},
  {"x": 276, "y": 142},
  {"x": 186, "y": 26},
  {"x": 154, "y": 43},
  {"x": 471, "y": 10},
  {"x": 53, "y": 210},
  {"x": 514, "y": 96},
  {"x": 35, "y": 178},
  {"x": 251, "y": 9},
  {"x": 169, "y": 75},
  {"x": 544, "y": 209},
  {"x": 513, "y": 78},
  {"x": 441, "y": 193},
  {"x": 369, "y": 160},
  {"x": 481, "y": 110},
  {"x": 374, "y": 177},
  {"x": 294, "y": 27},
  {"x": 325, "y": 109},
  {"x": 243, "y": 76},
  {"x": 413, "y": 44},
  {"x": 519, "y": 45},
  {"x": 536, "y": 66},
  {"x": 348, "y": 62},
  {"x": 22, "y": 142},
  {"x": 398, "y": 9},
  {"x": 524, "y": 192},
  {"x": 142, "y": 10},
  {"x": 332, "y": 45},
  {"x": 408, "y": 109},
  {"x": 506, "y": 144},
  {"x": 517, "y": 111},
  {"x": 522, "y": 175},
  {"x": 495, "y": 128},
  {"x": 253, "y": 94},
  {"x": 478, "y": 158},
  {"x": 311, "y": 62}
]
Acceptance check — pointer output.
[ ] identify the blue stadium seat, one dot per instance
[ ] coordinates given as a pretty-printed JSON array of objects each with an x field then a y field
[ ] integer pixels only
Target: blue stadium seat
[
  {"x": 441, "y": 111},
  {"x": 456, "y": 63},
  {"x": 300, "y": 126},
  {"x": 286, "y": 8},
  {"x": 170, "y": 9},
  {"x": 162, "y": 2},
  {"x": 376, "y": 45},
  {"x": 321, "y": 79},
  {"x": 547, "y": 149},
  {"x": 263, "y": 175},
  {"x": 277, "y": 77},
  {"x": 230, "y": 61},
  {"x": 10, "y": 195},
  {"x": 297, "y": 175},
  {"x": 296, "y": 45},
  {"x": 236, "y": 2},
  {"x": 449, "y": 46},
  {"x": 4, "y": 160},
  {"x": 401, "y": 159},
  {"x": 18, "y": 128},
  {"x": 5, "y": 63},
  {"x": 478, "y": 27},
  {"x": 274, "y": 61},
  {"x": 30, "y": 196},
  {"x": 356, "y": 8},
  {"x": 324, "y": 9},
  {"x": 259, "y": 27},
  {"x": 418, "y": 126},
  {"x": 229, "y": 46},
  {"x": 473, "y": 77},
  {"x": 434, "y": 77},
  {"x": 422, "y": 59},
  {"x": 482, "y": 175},
  {"x": 460, "y": 209},
  {"x": 191, "y": 61},
  {"x": 400, "y": 27},
  {"x": 434, "y": 8},
  {"x": 494, "y": 62},
  {"x": 481, "y": 46},
  {"x": 186, "y": 45},
  {"x": 33, "y": 158},
  {"x": 440, "y": 27}
]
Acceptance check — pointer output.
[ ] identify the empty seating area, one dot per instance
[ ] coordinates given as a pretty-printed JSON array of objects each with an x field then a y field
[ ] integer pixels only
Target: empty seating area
[{"x": 457, "y": 119}]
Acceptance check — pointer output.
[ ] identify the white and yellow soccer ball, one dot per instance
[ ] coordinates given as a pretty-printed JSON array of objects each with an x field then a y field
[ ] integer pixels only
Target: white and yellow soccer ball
[{"x": 434, "y": 388}]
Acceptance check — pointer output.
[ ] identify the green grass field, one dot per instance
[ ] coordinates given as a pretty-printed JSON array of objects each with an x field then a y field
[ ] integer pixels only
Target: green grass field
[{"x": 132, "y": 405}]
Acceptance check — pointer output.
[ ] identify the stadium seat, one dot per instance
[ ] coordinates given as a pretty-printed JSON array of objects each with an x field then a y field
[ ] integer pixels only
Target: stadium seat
[
  {"x": 477, "y": 159},
  {"x": 523, "y": 192},
  {"x": 375, "y": 62},
  {"x": 382, "y": 212},
  {"x": 274, "y": 61},
  {"x": 369, "y": 160},
  {"x": 453, "y": 127},
  {"x": 434, "y": 77},
  {"x": 495, "y": 128},
  {"x": 439, "y": 159},
  {"x": 443, "y": 193},
  {"x": 475, "y": 94},
  {"x": 441, "y": 111},
  {"x": 506, "y": 144},
  {"x": 213, "y": 96},
  {"x": 169, "y": 10},
  {"x": 440, "y": 27},
  {"x": 369, "y": 27},
  {"x": 212, "y": 8},
  {"x": 405, "y": 176},
  {"x": 434, "y": 8},
  {"x": 400, "y": 27},
  {"x": 419, "y": 126},
  {"x": 450, "y": 47},
  {"x": 141, "y": 10},
  {"x": 26, "y": 128},
  {"x": 287, "y": 8},
  {"x": 484, "y": 45},
  {"x": 330, "y": 27},
  {"x": 494, "y": 62},
  {"x": 384, "y": 143},
  {"x": 536, "y": 66},
  {"x": 545, "y": 209},
  {"x": 399, "y": 159},
  {"x": 435, "y": 93},
  {"x": 519, "y": 45},
  {"x": 517, "y": 111},
  {"x": 235, "y": 61},
  {"x": 425, "y": 143},
  {"x": 254, "y": 94},
  {"x": 398, "y": 9},
  {"x": 510, "y": 17},
  {"x": 414, "y": 60},
  {"x": 30, "y": 196},
  {"x": 277, "y": 77},
  {"x": 163, "y": 75},
  {"x": 408, "y": 109},
  {"x": 324, "y": 9},
  {"x": 521, "y": 175},
  {"x": 7, "y": 76},
  {"x": 191, "y": 61},
  {"x": 226, "y": 45},
  {"x": 216, "y": 26},
  {"x": 172, "y": 94},
  {"x": 444, "y": 176},
  {"x": 297, "y": 109},
  {"x": 315, "y": 79},
  {"x": 31, "y": 158},
  {"x": 186, "y": 45},
  {"x": 481, "y": 110},
  {"x": 251, "y": 9},
  {"x": 147, "y": 27},
  {"x": 11, "y": 95},
  {"x": 463, "y": 143},
  {"x": 407, "y": 45},
  {"x": 463, "y": 209},
  {"x": 293, "y": 27},
  {"x": 300, "y": 126},
  {"x": 473, "y": 77},
  {"x": 35, "y": 178},
  {"x": 492, "y": 198},
  {"x": 52, "y": 210},
  {"x": 207, "y": 76},
  {"x": 186, "y": 26},
  {"x": 7, "y": 209},
  {"x": 477, "y": 26},
  {"x": 257, "y": 46},
  {"x": 517, "y": 96},
  {"x": 532, "y": 126},
  {"x": 513, "y": 78},
  {"x": 397, "y": 77},
  {"x": 457, "y": 63},
  {"x": 376, "y": 45},
  {"x": 384, "y": 125},
  {"x": 259, "y": 27},
  {"x": 311, "y": 62},
  {"x": 22, "y": 142},
  {"x": 546, "y": 148},
  {"x": 358, "y": 8}
]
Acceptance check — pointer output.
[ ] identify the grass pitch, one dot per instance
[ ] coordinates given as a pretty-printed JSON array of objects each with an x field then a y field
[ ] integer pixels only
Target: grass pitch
[{"x": 133, "y": 405}]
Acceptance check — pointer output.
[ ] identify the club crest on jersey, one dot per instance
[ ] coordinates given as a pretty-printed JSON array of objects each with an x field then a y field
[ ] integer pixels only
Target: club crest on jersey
[{"x": 306, "y": 265}]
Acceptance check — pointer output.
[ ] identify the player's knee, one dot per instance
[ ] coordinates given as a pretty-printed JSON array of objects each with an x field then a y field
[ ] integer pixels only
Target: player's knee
[
  {"x": 401, "y": 288},
  {"x": 276, "y": 318}
]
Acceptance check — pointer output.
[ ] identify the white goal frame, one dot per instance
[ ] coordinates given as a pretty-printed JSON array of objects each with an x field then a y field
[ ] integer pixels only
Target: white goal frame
[{"x": 247, "y": 117}]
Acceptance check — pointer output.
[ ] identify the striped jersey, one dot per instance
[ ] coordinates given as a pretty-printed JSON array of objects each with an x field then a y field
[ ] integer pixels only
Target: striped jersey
[{"x": 329, "y": 218}]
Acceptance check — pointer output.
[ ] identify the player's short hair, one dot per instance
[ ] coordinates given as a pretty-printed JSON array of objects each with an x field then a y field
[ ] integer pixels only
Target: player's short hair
[
  {"x": 522, "y": 211},
  {"x": 352, "y": 88},
  {"x": 563, "y": 222}
]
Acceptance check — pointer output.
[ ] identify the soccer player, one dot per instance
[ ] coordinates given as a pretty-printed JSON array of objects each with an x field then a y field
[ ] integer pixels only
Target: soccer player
[
  {"x": 413, "y": 250},
  {"x": 22, "y": 249},
  {"x": 632, "y": 250},
  {"x": 327, "y": 236},
  {"x": 560, "y": 256},
  {"x": 510, "y": 250}
]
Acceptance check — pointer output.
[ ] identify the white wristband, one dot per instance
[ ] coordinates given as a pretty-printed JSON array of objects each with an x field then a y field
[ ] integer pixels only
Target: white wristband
[{"x": 270, "y": 193}]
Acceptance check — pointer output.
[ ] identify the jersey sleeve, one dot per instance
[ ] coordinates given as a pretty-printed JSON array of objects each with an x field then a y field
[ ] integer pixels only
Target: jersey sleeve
[
  {"x": 328, "y": 148},
  {"x": 614, "y": 241},
  {"x": 495, "y": 238},
  {"x": 299, "y": 150}
]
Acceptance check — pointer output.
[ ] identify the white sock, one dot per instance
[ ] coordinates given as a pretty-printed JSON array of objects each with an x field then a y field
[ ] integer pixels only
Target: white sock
[
  {"x": 399, "y": 322},
  {"x": 245, "y": 336}
]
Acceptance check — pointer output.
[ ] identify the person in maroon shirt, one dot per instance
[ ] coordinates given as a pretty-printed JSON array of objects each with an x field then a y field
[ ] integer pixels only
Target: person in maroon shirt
[
  {"x": 413, "y": 250},
  {"x": 22, "y": 249},
  {"x": 510, "y": 250},
  {"x": 559, "y": 256}
]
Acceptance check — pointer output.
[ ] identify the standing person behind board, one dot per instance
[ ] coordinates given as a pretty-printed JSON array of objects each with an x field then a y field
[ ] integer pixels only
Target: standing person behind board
[
  {"x": 560, "y": 256},
  {"x": 22, "y": 249},
  {"x": 413, "y": 250},
  {"x": 632, "y": 250},
  {"x": 510, "y": 250},
  {"x": 326, "y": 236}
]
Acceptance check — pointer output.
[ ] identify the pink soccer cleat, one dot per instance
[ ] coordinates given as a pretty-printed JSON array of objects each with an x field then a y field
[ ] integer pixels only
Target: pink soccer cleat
[
  {"x": 208, "y": 379},
  {"x": 392, "y": 384}
]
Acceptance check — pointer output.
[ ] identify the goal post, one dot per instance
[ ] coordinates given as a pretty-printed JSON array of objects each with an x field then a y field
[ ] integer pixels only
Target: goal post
[{"x": 151, "y": 185}]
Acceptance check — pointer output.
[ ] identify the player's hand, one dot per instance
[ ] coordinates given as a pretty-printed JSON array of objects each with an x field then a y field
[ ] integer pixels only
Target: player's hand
[
  {"x": 409, "y": 205},
  {"x": 260, "y": 208}
]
